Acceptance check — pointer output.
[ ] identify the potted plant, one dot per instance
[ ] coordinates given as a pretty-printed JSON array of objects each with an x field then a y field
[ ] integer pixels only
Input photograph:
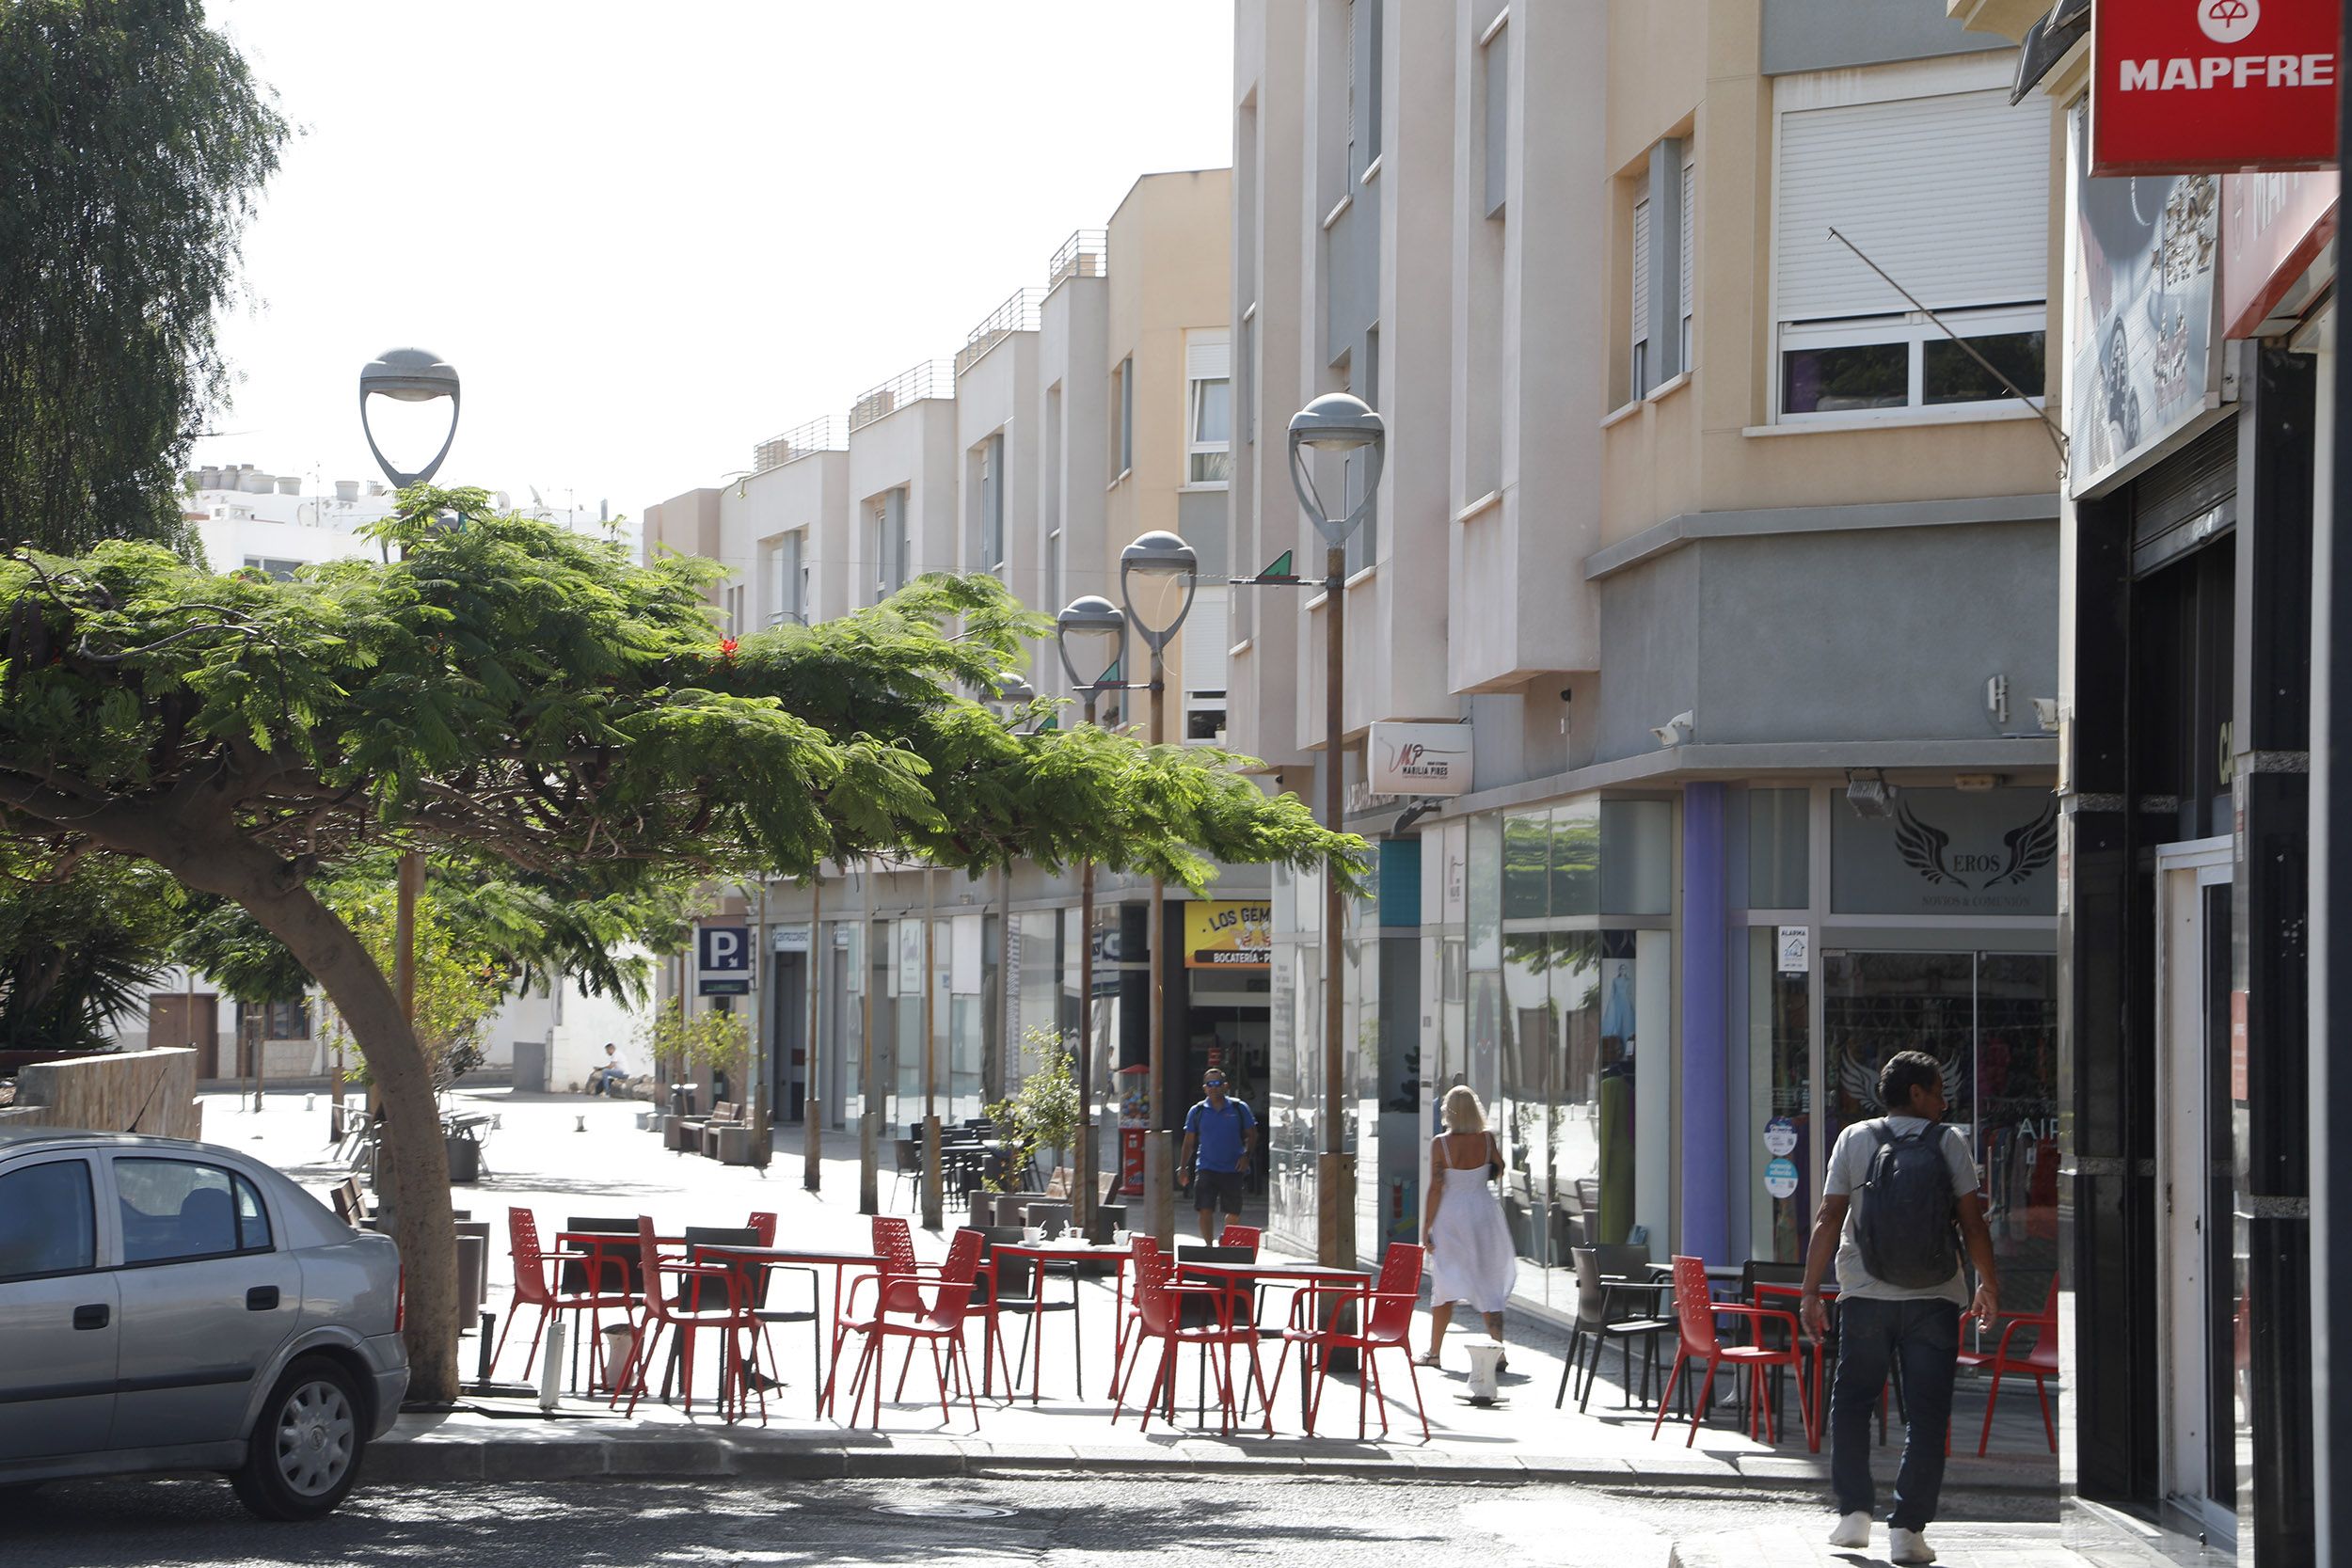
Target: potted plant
[{"x": 1043, "y": 1114}]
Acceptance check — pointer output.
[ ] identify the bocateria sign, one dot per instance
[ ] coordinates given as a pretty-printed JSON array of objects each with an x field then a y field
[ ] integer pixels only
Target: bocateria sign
[{"x": 2186, "y": 87}]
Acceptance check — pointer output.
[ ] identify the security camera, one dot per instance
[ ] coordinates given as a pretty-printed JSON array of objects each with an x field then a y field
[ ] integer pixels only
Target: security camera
[{"x": 1674, "y": 731}]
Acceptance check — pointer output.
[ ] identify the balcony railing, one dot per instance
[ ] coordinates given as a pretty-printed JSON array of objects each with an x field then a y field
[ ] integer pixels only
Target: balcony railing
[
  {"x": 1085, "y": 254},
  {"x": 1017, "y": 314},
  {"x": 932, "y": 378},
  {"x": 820, "y": 435}
]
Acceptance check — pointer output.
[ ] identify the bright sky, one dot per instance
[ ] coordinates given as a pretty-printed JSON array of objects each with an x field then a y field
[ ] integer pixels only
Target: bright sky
[{"x": 648, "y": 236}]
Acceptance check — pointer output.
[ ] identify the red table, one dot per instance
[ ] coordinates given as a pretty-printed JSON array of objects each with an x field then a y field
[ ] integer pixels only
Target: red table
[{"x": 1323, "y": 1279}]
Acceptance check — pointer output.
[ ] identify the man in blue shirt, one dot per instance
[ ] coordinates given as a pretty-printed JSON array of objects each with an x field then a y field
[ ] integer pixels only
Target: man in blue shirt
[{"x": 1219, "y": 1135}]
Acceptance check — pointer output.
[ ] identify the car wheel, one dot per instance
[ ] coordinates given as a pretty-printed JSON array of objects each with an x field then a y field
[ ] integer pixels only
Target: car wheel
[{"x": 304, "y": 1454}]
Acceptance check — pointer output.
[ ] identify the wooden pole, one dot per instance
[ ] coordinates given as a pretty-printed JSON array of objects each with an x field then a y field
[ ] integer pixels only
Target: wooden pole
[
  {"x": 813, "y": 1104},
  {"x": 934, "y": 1204}
]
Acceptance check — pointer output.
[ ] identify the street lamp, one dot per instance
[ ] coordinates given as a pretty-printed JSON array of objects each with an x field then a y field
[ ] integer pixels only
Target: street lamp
[
  {"x": 1334, "y": 422},
  {"x": 406, "y": 375},
  {"x": 1092, "y": 634},
  {"x": 1163, "y": 565}
]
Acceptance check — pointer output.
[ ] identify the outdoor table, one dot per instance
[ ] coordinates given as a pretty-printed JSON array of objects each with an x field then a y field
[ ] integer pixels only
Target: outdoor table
[
  {"x": 1322, "y": 1278},
  {"x": 595, "y": 1251},
  {"x": 807, "y": 1258},
  {"x": 1043, "y": 1253}
]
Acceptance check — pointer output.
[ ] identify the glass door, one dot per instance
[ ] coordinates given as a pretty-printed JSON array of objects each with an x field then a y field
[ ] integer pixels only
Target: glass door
[
  {"x": 2203, "y": 1239},
  {"x": 1990, "y": 1020}
]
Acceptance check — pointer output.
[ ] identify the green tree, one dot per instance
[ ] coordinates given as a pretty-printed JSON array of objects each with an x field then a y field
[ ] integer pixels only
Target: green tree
[
  {"x": 136, "y": 140},
  {"x": 508, "y": 695},
  {"x": 83, "y": 940}
]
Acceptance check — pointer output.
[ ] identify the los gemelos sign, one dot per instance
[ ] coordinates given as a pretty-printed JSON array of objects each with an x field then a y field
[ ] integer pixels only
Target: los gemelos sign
[{"x": 2185, "y": 86}]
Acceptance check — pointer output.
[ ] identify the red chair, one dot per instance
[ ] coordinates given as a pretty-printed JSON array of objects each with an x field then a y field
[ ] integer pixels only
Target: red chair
[
  {"x": 533, "y": 1287},
  {"x": 1237, "y": 1234},
  {"x": 685, "y": 1316},
  {"x": 1695, "y": 1311},
  {"x": 1387, "y": 1311},
  {"x": 894, "y": 1244},
  {"x": 900, "y": 1312},
  {"x": 1157, "y": 1299},
  {"x": 1141, "y": 1249},
  {"x": 2040, "y": 1363}
]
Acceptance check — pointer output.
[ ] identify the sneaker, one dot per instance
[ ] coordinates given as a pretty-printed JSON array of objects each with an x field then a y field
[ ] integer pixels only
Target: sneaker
[
  {"x": 1854, "y": 1530},
  {"x": 1908, "y": 1546}
]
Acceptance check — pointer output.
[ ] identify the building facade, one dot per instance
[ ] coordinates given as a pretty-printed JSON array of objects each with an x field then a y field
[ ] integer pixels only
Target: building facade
[
  {"x": 1735, "y": 581},
  {"x": 1078, "y": 413}
]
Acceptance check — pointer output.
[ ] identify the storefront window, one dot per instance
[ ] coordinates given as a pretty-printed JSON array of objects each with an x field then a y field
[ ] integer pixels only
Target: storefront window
[
  {"x": 1783, "y": 1101},
  {"x": 1779, "y": 841}
]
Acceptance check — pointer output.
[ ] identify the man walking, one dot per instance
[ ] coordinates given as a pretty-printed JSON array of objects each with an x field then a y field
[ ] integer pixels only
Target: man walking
[
  {"x": 1219, "y": 1132},
  {"x": 1895, "y": 1190}
]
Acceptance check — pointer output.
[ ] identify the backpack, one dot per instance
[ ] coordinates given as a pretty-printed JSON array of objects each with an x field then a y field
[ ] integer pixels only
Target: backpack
[{"x": 1906, "y": 1218}]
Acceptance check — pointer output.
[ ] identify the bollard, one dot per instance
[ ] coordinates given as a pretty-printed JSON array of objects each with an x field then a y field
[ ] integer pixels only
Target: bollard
[
  {"x": 1485, "y": 1386},
  {"x": 481, "y": 1371},
  {"x": 551, "y": 1370},
  {"x": 579, "y": 1122}
]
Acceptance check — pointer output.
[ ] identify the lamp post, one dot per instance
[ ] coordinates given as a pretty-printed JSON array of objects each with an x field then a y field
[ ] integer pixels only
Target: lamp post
[
  {"x": 1092, "y": 634},
  {"x": 1161, "y": 565},
  {"x": 1014, "y": 693},
  {"x": 1339, "y": 423},
  {"x": 406, "y": 375}
]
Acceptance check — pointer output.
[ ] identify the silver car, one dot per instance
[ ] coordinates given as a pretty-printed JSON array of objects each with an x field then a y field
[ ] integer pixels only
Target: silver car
[{"x": 176, "y": 1306}]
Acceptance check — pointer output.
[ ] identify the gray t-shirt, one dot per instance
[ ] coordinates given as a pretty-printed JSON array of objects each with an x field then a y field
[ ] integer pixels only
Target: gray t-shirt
[{"x": 1850, "y": 1167}]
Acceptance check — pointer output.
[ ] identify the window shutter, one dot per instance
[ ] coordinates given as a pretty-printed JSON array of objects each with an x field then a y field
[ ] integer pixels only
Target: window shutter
[
  {"x": 1641, "y": 273},
  {"x": 1688, "y": 179},
  {"x": 1208, "y": 356},
  {"x": 1958, "y": 231},
  {"x": 1497, "y": 72},
  {"x": 1205, "y": 641}
]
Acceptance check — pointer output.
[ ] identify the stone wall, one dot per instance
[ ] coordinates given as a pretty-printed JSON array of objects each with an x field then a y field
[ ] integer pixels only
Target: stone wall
[{"x": 133, "y": 1091}]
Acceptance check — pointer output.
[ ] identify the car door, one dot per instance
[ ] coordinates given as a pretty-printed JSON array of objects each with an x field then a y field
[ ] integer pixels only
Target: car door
[
  {"x": 60, "y": 1319},
  {"x": 208, "y": 1297}
]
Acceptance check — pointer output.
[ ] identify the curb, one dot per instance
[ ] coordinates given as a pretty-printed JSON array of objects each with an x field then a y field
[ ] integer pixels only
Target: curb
[{"x": 660, "y": 1456}]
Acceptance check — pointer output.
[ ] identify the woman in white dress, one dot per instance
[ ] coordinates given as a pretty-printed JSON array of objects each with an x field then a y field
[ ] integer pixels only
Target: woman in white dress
[{"x": 1471, "y": 1259}]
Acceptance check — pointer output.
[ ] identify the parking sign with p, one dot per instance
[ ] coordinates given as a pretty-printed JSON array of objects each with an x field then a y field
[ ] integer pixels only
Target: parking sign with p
[{"x": 722, "y": 960}]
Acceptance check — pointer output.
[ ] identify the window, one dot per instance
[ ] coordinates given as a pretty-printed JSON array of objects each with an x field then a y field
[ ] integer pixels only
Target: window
[
  {"x": 1684, "y": 244},
  {"x": 48, "y": 1222},
  {"x": 1206, "y": 639},
  {"x": 1869, "y": 154},
  {"x": 1495, "y": 78},
  {"x": 992, "y": 457},
  {"x": 174, "y": 1210},
  {"x": 1639, "y": 366},
  {"x": 735, "y": 596},
  {"x": 788, "y": 580},
  {"x": 1208, "y": 408},
  {"x": 1363, "y": 545},
  {"x": 1123, "y": 416},
  {"x": 887, "y": 546},
  {"x": 272, "y": 567},
  {"x": 1245, "y": 376},
  {"x": 276, "y": 1021}
]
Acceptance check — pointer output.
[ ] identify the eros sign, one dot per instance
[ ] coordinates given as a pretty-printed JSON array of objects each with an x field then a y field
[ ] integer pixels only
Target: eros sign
[{"x": 2212, "y": 86}]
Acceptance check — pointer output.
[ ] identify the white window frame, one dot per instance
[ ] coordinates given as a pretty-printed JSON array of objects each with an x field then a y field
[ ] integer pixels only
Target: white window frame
[
  {"x": 1642, "y": 242},
  {"x": 1195, "y": 397},
  {"x": 1961, "y": 74},
  {"x": 1913, "y": 328},
  {"x": 1123, "y": 418}
]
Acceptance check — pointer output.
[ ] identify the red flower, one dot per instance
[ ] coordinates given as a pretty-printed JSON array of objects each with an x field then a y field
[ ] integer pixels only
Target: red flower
[{"x": 726, "y": 648}]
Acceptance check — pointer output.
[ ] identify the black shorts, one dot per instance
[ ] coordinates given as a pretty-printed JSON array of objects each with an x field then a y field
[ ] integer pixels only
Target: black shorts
[{"x": 1217, "y": 1190}]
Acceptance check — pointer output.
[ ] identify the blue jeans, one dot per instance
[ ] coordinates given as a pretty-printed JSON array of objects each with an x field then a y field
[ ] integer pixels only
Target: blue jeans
[{"x": 1871, "y": 1337}]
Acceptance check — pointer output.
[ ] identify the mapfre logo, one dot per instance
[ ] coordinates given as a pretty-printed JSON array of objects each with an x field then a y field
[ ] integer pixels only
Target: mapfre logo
[{"x": 2228, "y": 21}]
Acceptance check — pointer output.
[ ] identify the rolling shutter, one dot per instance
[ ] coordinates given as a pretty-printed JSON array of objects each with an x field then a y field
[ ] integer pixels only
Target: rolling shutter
[
  {"x": 1205, "y": 641},
  {"x": 1641, "y": 274},
  {"x": 1950, "y": 193}
]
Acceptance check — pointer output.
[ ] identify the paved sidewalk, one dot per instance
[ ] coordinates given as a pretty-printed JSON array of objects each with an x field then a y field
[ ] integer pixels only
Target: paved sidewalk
[
  {"x": 571, "y": 1155},
  {"x": 1957, "y": 1545}
]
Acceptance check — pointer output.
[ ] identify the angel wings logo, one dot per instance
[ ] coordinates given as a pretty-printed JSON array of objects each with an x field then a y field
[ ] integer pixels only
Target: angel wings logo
[{"x": 1928, "y": 849}]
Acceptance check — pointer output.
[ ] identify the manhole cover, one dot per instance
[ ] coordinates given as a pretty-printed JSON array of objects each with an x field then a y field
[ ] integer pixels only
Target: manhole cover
[{"x": 946, "y": 1511}]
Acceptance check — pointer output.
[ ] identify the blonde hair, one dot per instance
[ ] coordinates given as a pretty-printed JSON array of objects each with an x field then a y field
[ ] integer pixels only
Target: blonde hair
[{"x": 1461, "y": 1111}]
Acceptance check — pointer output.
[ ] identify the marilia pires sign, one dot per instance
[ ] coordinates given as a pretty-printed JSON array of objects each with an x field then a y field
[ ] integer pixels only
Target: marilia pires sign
[{"x": 2212, "y": 86}]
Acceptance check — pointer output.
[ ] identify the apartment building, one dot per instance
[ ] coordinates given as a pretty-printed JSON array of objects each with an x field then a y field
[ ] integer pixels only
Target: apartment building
[
  {"x": 1079, "y": 413},
  {"x": 1735, "y": 581}
]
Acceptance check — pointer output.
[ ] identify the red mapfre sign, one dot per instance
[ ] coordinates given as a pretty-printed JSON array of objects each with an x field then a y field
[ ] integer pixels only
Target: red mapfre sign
[{"x": 2212, "y": 86}]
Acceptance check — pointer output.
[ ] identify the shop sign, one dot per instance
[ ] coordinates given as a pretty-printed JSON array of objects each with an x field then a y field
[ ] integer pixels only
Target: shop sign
[
  {"x": 909, "y": 970},
  {"x": 722, "y": 960},
  {"x": 1948, "y": 852},
  {"x": 1228, "y": 934},
  {"x": 2182, "y": 87},
  {"x": 1780, "y": 1179},
  {"x": 1418, "y": 759},
  {"x": 2145, "y": 346},
  {"x": 2273, "y": 228},
  {"x": 788, "y": 938}
]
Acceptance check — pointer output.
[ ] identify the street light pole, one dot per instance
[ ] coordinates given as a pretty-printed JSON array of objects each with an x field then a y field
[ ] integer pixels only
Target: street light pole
[
  {"x": 811, "y": 1134},
  {"x": 1335, "y": 423},
  {"x": 1160, "y": 558},
  {"x": 868, "y": 1123},
  {"x": 933, "y": 1204},
  {"x": 1091, "y": 634}
]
